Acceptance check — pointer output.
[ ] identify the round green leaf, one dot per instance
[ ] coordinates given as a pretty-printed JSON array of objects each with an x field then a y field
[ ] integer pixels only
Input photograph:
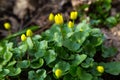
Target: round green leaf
[
  {"x": 12, "y": 63},
  {"x": 64, "y": 66},
  {"x": 14, "y": 71},
  {"x": 50, "y": 56},
  {"x": 43, "y": 44},
  {"x": 4, "y": 72},
  {"x": 23, "y": 47},
  {"x": 23, "y": 64},
  {"x": 37, "y": 63},
  {"x": 112, "y": 67},
  {"x": 79, "y": 59},
  {"x": 29, "y": 42},
  {"x": 38, "y": 75}
]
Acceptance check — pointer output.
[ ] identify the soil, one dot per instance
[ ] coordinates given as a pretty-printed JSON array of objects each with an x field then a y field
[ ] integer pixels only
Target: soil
[{"x": 25, "y": 13}]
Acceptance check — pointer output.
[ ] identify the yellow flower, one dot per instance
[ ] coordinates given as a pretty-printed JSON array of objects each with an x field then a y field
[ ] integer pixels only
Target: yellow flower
[
  {"x": 29, "y": 33},
  {"x": 70, "y": 24},
  {"x": 23, "y": 37},
  {"x": 7, "y": 25},
  {"x": 58, "y": 73},
  {"x": 73, "y": 15},
  {"x": 51, "y": 17},
  {"x": 100, "y": 69},
  {"x": 58, "y": 19}
]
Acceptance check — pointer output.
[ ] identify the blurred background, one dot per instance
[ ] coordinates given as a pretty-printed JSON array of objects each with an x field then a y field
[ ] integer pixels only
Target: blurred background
[{"x": 24, "y": 13}]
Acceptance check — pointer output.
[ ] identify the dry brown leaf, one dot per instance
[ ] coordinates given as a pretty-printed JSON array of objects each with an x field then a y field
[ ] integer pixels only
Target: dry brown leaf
[{"x": 21, "y": 7}]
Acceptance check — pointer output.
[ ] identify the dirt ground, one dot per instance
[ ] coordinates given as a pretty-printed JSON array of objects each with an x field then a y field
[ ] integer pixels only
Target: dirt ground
[{"x": 25, "y": 13}]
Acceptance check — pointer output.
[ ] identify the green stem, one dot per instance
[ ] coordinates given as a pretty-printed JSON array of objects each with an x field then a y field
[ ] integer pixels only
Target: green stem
[
  {"x": 21, "y": 32},
  {"x": 9, "y": 32},
  {"x": 61, "y": 31},
  {"x": 73, "y": 26}
]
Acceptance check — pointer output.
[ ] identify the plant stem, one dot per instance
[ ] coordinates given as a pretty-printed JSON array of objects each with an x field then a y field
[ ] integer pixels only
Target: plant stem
[
  {"x": 21, "y": 32},
  {"x": 61, "y": 31}
]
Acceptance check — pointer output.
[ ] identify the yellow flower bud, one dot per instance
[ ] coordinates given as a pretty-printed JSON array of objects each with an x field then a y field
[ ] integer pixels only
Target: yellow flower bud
[
  {"x": 58, "y": 73},
  {"x": 51, "y": 17},
  {"x": 58, "y": 19},
  {"x": 100, "y": 69},
  {"x": 73, "y": 15},
  {"x": 29, "y": 33},
  {"x": 70, "y": 24},
  {"x": 7, "y": 25},
  {"x": 23, "y": 37}
]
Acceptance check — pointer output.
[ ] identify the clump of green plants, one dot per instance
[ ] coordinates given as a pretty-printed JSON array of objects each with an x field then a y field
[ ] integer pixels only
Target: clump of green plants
[
  {"x": 99, "y": 12},
  {"x": 66, "y": 51}
]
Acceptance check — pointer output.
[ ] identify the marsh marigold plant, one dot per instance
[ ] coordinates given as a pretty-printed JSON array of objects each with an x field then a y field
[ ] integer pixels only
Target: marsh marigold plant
[{"x": 66, "y": 51}]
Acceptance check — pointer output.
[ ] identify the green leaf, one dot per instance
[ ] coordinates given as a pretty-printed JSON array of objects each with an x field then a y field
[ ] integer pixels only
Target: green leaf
[
  {"x": 88, "y": 63},
  {"x": 7, "y": 56},
  {"x": 53, "y": 34},
  {"x": 18, "y": 53},
  {"x": 4, "y": 72},
  {"x": 95, "y": 32},
  {"x": 80, "y": 37},
  {"x": 31, "y": 75},
  {"x": 71, "y": 45},
  {"x": 40, "y": 74},
  {"x": 43, "y": 44},
  {"x": 37, "y": 37},
  {"x": 73, "y": 70},
  {"x": 58, "y": 38},
  {"x": 1, "y": 67},
  {"x": 86, "y": 76},
  {"x": 89, "y": 49},
  {"x": 1, "y": 48},
  {"x": 23, "y": 47},
  {"x": 69, "y": 77},
  {"x": 111, "y": 21},
  {"x": 37, "y": 63},
  {"x": 48, "y": 77},
  {"x": 9, "y": 46},
  {"x": 62, "y": 52},
  {"x": 40, "y": 53},
  {"x": 64, "y": 66},
  {"x": 29, "y": 42},
  {"x": 14, "y": 71},
  {"x": 112, "y": 67},
  {"x": 2, "y": 62},
  {"x": 83, "y": 75},
  {"x": 50, "y": 56},
  {"x": 108, "y": 51},
  {"x": 79, "y": 59},
  {"x": 12, "y": 63},
  {"x": 67, "y": 31},
  {"x": 49, "y": 34},
  {"x": 83, "y": 26},
  {"x": 96, "y": 37},
  {"x": 23, "y": 64}
]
